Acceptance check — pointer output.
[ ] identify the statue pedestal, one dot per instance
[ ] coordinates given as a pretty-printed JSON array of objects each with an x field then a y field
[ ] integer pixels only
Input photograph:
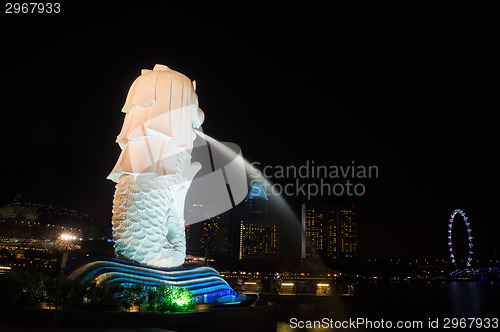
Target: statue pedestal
[{"x": 204, "y": 282}]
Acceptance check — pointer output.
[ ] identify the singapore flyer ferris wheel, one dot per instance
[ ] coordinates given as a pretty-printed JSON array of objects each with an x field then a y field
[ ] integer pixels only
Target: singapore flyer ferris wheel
[{"x": 469, "y": 245}]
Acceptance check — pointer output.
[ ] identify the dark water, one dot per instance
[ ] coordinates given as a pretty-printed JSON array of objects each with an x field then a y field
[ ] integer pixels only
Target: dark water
[{"x": 400, "y": 301}]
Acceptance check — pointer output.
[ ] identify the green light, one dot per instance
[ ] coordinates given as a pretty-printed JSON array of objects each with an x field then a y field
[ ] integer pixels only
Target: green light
[
  {"x": 173, "y": 299},
  {"x": 182, "y": 297}
]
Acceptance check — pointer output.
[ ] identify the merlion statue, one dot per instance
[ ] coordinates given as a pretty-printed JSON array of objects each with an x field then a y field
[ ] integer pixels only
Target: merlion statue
[{"x": 154, "y": 170}]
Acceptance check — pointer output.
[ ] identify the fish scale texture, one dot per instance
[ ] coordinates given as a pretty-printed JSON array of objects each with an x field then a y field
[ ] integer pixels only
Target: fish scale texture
[{"x": 146, "y": 227}]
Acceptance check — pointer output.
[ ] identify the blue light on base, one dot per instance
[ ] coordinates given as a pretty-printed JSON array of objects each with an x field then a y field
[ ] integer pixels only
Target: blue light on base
[{"x": 204, "y": 282}]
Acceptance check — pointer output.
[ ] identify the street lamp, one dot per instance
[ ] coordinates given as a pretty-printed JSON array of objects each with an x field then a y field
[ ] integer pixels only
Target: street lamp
[
  {"x": 65, "y": 244},
  {"x": 67, "y": 237}
]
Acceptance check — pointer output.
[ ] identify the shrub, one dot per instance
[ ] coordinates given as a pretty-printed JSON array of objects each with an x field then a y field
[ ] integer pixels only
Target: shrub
[
  {"x": 28, "y": 289},
  {"x": 106, "y": 296},
  {"x": 133, "y": 295},
  {"x": 25, "y": 289},
  {"x": 170, "y": 299}
]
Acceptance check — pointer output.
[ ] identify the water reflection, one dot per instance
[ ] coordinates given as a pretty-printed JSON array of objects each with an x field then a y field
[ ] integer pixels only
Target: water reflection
[
  {"x": 397, "y": 301},
  {"x": 470, "y": 298}
]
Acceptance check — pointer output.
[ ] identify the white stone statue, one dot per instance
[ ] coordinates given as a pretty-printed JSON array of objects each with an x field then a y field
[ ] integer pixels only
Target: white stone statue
[{"x": 154, "y": 170}]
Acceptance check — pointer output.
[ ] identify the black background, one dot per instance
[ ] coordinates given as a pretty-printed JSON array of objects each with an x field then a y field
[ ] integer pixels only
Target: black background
[{"x": 411, "y": 87}]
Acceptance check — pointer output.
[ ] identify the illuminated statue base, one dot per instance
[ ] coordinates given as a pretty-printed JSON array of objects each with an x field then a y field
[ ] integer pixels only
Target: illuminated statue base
[{"x": 204, "y": 282}]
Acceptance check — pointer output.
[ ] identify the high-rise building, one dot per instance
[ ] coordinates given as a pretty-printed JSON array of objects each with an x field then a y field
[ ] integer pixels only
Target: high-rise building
[
  {"x": 347, "y": 233},
  {"x": 258, "y": 237},
  {"x": 212, "y": 237},
  {"x": 209, "y": 238},
  {"x": 329, "y": 232},
  {"x": 244, "y": 232}
]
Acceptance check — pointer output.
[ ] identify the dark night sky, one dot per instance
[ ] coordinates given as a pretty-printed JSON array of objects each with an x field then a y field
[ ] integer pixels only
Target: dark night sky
[{"x": 410, "y": 87}]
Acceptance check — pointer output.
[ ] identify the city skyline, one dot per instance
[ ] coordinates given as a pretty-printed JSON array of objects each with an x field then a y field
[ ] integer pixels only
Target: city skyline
[
  {"x": 416, "y": 102},
  {"x": 232, "y": 240},
  {"x": 329, "y": 232}
]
